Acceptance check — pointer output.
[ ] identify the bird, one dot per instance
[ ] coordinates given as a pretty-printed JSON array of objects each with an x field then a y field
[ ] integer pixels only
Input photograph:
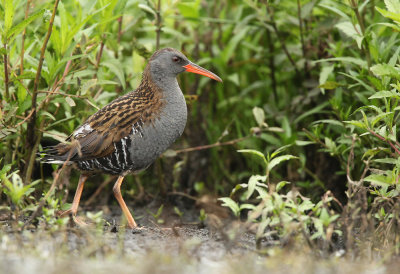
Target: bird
[{"x": 131, "y": 132}]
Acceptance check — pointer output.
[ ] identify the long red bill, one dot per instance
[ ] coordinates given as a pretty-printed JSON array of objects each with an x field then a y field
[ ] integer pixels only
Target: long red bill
[{"x": 192, "y": 67}]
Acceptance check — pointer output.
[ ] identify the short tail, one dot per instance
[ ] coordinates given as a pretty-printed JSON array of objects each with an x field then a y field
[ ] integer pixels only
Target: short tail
[{"x": 58, "y": 154}]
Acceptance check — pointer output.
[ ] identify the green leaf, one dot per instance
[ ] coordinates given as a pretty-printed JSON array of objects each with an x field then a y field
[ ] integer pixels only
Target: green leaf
[
  {"x": 374, "y": 151},
  {"x": 21, "y": 26},
  {"x": 328, "y": 121},
  {"x": 8, "y": 16},
  {"x": 279, "y": 150},
  {"x": 234, "y": 78},
  {"x": 316, "y": 109},
  {"x": 355, "y": 61},
  {"x": 21, "y": 92},
  {"x": 381, "y": 70},
  {"x": 379, "y": 117},
  {"x": 379, "y": 180},
  {"x": 329, "y": 85},
  {"x": 254, "y": 152},
  {"x": 385, "y": 94},
  {"x": 331, "y": 145},
  {"x": 352, "y": 31},
  {"x": 393, "y": 6},
  {"x": 237, "y": 188},
  {"x": 4, "y": 170},
  {"x": 307, "y": 9},
  {"x": 357, "y": 124},
  {"x": 169, "y": 153},
  {"x": 375, "y": 108},
  {"x": 335, "y": 10},
  {"x": 262, "y": 192},
  {"x": 366, "y": 122},
  {"x": 229, "y": 50},
  {"x": 302, "y": 143},
  {"x": 278, "y": 160},
  {"x": 280, "y": 185},
  {"x": 323, "y": 77},
  {"x": 386, "y": 161},
  {"x": 117, "y": 69},
  {"x": 189, "y": 8},
  {"x": 324, "y": 217},
  {"x": 388, "y": 14},
  {"x": 148, "y": 10},
  {"x": 70, "y": 101},
  {"x": 45, "y": 113},
  {"x": 393, "y": 26},
  {"x": 228, "y": 202},
  {"x": 365, "y": 85},
  {"x": 87, "y": 85},
  {"x": 306, "y": 205},
  {"x": 64, "y": 26},
  {"x": 259, "y": 115},
  {"x": 393, "y": 60},
  {"x": 247, "y": 206},
  {"x": 160, "y": 210},
  {"x": 253, "y": 181}
]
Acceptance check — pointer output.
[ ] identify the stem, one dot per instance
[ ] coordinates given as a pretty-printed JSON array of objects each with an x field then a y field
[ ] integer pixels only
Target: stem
[
  {"x": 183, "y": 195},
  {"x": 44, "y": 199},
  {"x": 360, "y": 20},
  {"x": 158, "y": 24},
  {"x": 30, "y": 135},
  {"x": 272, "y": 65},
  {"x": 217, "y": 144},
  {"x": 119, "y": 35},
  {"x": 6, "y": 72},
  {"x": 311, "y": 136},
  {"x": 119, "y": 29},
  {"x": 31, "y": 159},
  {"x": 21, "y": 66},
  {"x": 350, "y": 160},
  {"x": 281, "y": 40},
  {"x": 98, "y": 57},
  {"x": 100, "y": 53},
  {"x": 385, "y": 140},
  {"x": 63, "y": 94},
  {"x": 303, "y": 46}
]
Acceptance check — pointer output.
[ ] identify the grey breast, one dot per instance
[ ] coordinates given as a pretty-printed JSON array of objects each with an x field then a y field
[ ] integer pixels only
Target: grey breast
[{"x": 151, "y": 140}]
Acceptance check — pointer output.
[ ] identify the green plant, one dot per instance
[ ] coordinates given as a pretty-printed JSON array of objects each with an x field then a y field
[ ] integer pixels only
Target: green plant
[
  {"x": 20, "y": 195},
  {"x": 157, "y": 215},
  {"x": 276, "y": 214}
]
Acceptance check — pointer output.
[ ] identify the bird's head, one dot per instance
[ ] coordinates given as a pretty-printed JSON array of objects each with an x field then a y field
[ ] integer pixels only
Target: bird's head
[{"x": 171, "y": 62}]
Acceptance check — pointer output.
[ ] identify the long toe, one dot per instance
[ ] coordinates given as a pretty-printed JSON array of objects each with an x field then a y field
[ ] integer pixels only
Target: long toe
[
  {"x": 65, "y": 213},
  {"x": 138, "y": 230},
  {"x": 79, "y": 222},
  {"x": 74, "y": 219}
]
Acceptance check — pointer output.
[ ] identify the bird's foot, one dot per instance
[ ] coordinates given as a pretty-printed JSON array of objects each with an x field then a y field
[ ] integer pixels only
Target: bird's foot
[
  {"x": 66, "y": 213},
  {"x": 75, "y": 220},
  {"x": 79, "y": 222},
  {"x": 138, "y": 230}
]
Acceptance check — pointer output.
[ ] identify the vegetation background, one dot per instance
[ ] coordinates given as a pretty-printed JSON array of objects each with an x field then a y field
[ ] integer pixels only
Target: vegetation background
[{"x": 299, "y": 141}]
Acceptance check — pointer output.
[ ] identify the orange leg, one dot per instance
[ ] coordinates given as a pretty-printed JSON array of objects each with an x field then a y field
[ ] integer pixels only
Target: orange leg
[
  {"x": 117, "y": 194},
  {"x": 77, "y": 198}
]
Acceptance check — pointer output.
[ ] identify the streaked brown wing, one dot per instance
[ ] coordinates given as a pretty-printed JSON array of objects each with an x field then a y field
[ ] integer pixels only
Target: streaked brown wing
[{"x": 96, "y": 137}]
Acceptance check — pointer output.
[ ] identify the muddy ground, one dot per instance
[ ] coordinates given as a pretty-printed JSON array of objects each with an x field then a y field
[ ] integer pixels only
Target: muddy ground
[{"x": 177, "y": 244}]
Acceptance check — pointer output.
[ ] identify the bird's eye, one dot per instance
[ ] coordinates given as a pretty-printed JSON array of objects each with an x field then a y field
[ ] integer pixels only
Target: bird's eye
[{"x": 176, "y": 59}]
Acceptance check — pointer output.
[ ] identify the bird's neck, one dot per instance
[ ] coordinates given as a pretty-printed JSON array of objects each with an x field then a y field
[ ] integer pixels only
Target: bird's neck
[
  {"x": 167, "y": 99},
  {"x": 155, "y": 81}
]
